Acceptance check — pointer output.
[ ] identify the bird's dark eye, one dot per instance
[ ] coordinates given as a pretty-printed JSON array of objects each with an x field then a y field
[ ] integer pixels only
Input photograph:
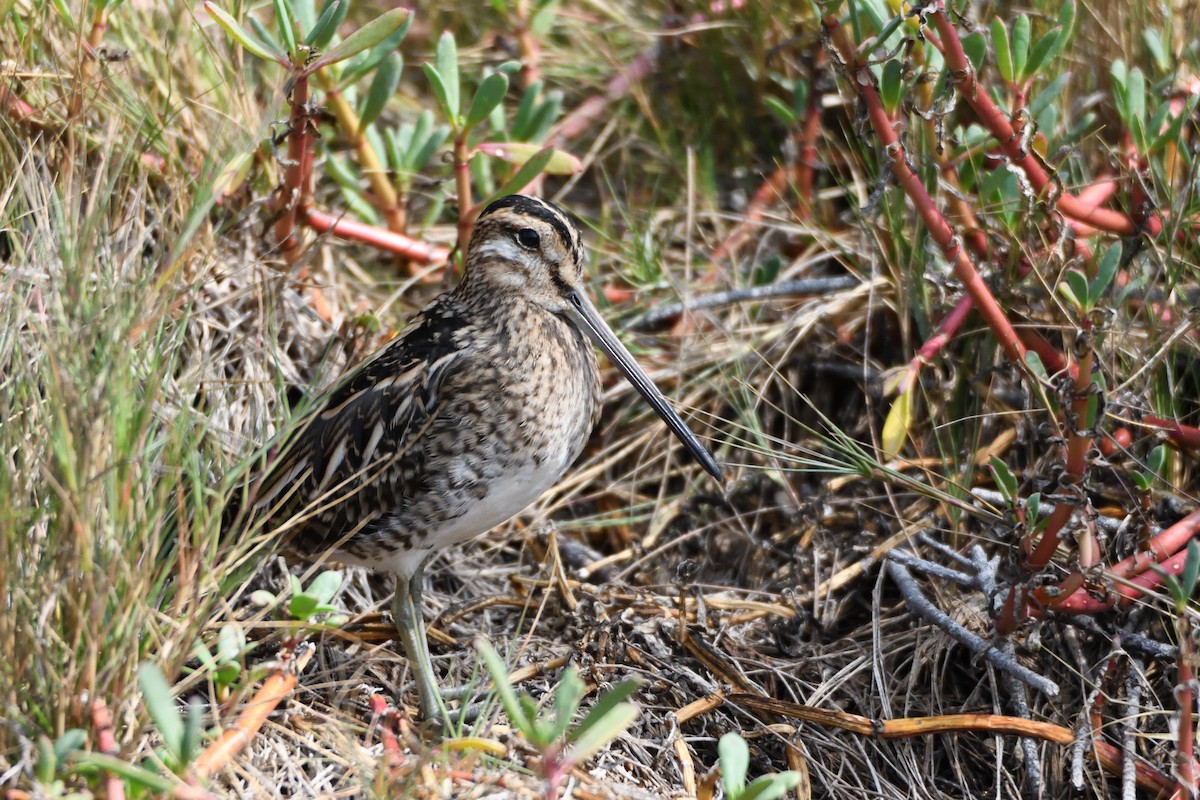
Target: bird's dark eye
[{"x": 528, "y": 238}]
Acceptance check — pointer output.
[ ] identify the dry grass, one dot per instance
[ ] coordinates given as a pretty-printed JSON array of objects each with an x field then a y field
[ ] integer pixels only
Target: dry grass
[{"x": 151, "y": 346}]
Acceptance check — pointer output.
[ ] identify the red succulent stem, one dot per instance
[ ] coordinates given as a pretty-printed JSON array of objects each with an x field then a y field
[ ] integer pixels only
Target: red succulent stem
[
  {"x": 296, "y": 192},
  {"x": 462, "y": 182},
  {"x": 864, "y": 83},
  {"x": 1010, "y": 143},
  {"x": 398, "y": 243}
]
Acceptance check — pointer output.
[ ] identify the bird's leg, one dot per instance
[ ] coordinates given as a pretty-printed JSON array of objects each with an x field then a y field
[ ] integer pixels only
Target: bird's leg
[{"x": 410, "y": 622}]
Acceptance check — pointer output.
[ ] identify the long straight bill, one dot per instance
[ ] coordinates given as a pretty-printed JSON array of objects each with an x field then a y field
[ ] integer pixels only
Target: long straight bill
[{"x": 585, "y": 315}]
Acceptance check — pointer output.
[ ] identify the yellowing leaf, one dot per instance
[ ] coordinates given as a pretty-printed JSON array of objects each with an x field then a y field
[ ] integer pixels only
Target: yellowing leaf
[
  {"x": 560, "y": 163},
  {"x": 895, "y": 427}
]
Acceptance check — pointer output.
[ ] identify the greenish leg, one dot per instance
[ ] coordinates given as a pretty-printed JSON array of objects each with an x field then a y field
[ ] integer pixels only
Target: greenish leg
[{"x": 410, "y": 622}]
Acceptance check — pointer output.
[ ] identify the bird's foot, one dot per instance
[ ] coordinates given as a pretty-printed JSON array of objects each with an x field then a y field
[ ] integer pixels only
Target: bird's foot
[{"x": 449, "y": 718}]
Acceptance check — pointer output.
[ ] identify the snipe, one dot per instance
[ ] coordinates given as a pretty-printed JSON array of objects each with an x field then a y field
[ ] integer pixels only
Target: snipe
[{"x": 479, "y": 407}]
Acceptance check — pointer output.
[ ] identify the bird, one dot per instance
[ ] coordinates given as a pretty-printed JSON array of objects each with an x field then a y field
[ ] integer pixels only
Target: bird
[{"x": 481, "y": 404}]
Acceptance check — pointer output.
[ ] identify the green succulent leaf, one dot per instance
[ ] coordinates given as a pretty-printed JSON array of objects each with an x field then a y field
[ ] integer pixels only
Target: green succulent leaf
[
  {"x": 614, "y": 697},
  {"x": 242, "y": 36},
  {"x": 771, "y": 787},
  {"x": 975, "y": 47},
  {"x": 1005, "y": 480},
  {"x": 567, "y": 696},
  {"x": 488, "y": 96},
  {"x": 446, "y": 61},
  {"x": 543, "y": 18},
  {"x": 323, "y": 30},
  {"x": 193, "y": 733},
  {"x": 366, "y": 37},
  {"x": 780, "y": 110},
  {"x": 556, "y": 162},
  {"x": 1034, "y": 362},
  {"x": 160, "y": 702},
  {"x": 439, "y": 91},
  {"x": 1020, "y": 47},
  {"x": 326, "y": 585},
  {"x": 890, "y": 85},
  {"x": 610, "y": 726},
  {"x": 383, "y": 86},
  {"x": 735, "y": 762},
  {"x": 362, "y": 65},
  {"x": 1043, "y": 50},
  {"x": 508, "y": 697},
  {"x": 287, "y": 26},
  {"x": 1004, "y": 60},
  {"x": 1106, "y": 270}
]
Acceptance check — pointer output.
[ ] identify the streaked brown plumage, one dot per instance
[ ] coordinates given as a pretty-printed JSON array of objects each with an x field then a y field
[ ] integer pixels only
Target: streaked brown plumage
[{"x": 479, "y": 407}]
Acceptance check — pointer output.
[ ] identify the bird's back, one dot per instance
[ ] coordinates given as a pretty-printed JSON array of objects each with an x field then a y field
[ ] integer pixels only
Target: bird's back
[{"x": 455, "y": 427}]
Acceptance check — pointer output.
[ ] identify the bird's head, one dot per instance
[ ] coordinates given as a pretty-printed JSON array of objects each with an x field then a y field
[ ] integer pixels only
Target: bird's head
[{"x": 528, "y": 246}]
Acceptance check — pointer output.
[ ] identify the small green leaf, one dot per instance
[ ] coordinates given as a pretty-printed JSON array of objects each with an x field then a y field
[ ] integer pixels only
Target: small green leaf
[
  {"x": 888, "y": 29},
  {"x": 332, "y": 16},
  {"x": 427, "y": 144},
  {"x": 508, "y": 697},
  {"x": 487, "y": 97},
  {"x": 567, "y": 696},
  {"x": 1048, "y": 95},
  {"x": 302, "y": 607},
  {"x": 1156, "y": 462},
  {"x": 771, "y": 787},
  {"x": 1020, "y": 47},
  {"x": 781, "y": 110},
  {"x": 1034, "y": 362},
  {"x": 72, "y": 739},
  {"x": 975, "y": 47},
  {"x": 604, "y": 704},
  {"x": 1158, "y": 50},
  {"x": 1120, "y": 82},
  {"x": 897, "y": 425},
  {"x": 439, "y": 90},
  {"x": 1006, "y": 482},
  {"x": 735, "y": 761},
  {"x": 47, "y": 762},
  {"x": 1040, "y": 54},
  {"x": 524, "y": 115},
  {"x": 362, "y": 65},
  {"x": 265, "y": 36},
  {"x": 545, "y": 116},
  {"x": 890, "y": 85},
  {"x": 243, "y": 36},
  {"x": 1003, "y": 52},
  {"x": 366, "y": 37},
  {"x": 543, "y": 18},
  {"x": 610, "y": 726},
  {"x": 1170, "y": 133},
  {"x": 1136, "y": 102},
  {"x": 1106, "y": 270},
  {"x": 161, "y": 705},
  {"x": 1066, "y": 19},
  {"x": 231, "y": 640},
  {"x": 557, "y": 162},
  {"x": 383, "y": 86},
  {"x": 262, "y": 598},
  {"x": 1074, "y": 290},
  {"x": 1033, "y": 508},
  {"x": 446, "y": 60},
  {"x": 304, "y": 12},
  {"x": 1191, "y": 568},
  {"x": 287, "y": 27},
  {"x": 193, "y": 732},
  {"x": 326, "y": 585},
  {"x": 1143, "y": 480}
]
